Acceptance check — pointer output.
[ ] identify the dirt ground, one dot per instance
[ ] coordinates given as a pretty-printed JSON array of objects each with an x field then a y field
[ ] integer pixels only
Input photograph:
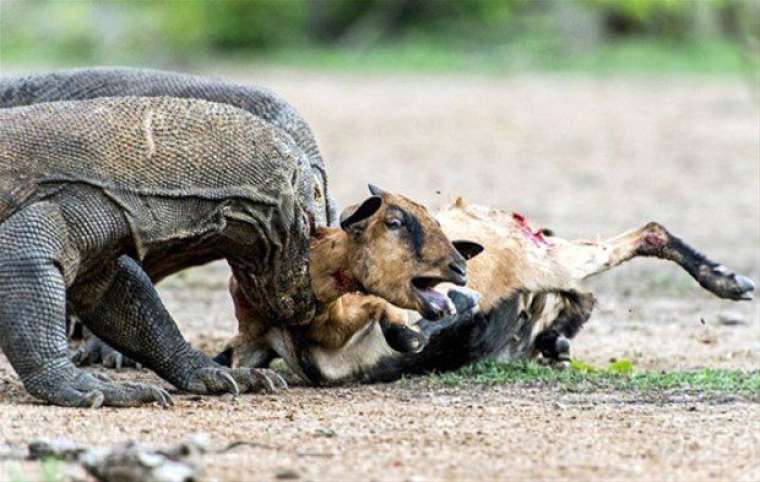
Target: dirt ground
[{"x": 585, "y": 156}]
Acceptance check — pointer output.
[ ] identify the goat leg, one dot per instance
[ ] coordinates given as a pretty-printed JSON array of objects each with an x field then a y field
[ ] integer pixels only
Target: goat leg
[{"x": 581, "y": 259}]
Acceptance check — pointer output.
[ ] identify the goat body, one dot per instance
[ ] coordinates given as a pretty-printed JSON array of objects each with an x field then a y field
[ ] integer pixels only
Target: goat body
[{"x": 531, "y": 299}]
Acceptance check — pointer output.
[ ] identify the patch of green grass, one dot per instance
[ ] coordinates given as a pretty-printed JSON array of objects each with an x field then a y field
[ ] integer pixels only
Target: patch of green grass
[{"x": 619, "y": 375}]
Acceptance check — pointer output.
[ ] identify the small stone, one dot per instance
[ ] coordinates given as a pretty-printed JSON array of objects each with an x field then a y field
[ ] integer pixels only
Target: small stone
[
  {"x": 731, "y": 318},
  {"x": 63, "y": 449},
  {"x": 287, "y": 474},
  {"x": 326, "y": 432}
]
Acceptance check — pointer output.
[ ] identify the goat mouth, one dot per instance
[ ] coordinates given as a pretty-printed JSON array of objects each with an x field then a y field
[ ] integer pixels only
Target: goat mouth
[{"x": 432, "y": 304}]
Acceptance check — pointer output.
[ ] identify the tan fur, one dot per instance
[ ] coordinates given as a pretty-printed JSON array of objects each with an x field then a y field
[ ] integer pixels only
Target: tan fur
[
  {"x": 512, "y": 260},
  {"x": 386, "y": 264},
  {"x": 333, "y": 327},
  {"x": 375, "y": 258},
  {"x": 544, "y": 270}
]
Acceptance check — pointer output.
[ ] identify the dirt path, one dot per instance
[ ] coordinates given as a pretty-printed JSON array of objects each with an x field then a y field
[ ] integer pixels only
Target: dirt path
[{"x": 584, "y": 156}]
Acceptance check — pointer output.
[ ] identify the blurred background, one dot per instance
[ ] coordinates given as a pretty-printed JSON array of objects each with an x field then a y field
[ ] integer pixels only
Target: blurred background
[
  {"x": 588, "y": 116},
  {"x": 490, "y": 35}
]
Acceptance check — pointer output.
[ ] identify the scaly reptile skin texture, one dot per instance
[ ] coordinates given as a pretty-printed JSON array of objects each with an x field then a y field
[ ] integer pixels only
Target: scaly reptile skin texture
[
  {"x": 91, "y": 83},
  {"x": 82, "y": 84},
  {"x": 92, "y": 189}
]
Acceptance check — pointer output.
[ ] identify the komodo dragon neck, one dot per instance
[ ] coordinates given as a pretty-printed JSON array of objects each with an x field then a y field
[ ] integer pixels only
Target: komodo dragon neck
[{"x": 329, "y": 265}]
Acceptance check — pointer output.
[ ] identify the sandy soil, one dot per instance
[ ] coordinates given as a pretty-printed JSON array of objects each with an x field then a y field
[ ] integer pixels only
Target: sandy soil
[{"x": 586, "y": 156}]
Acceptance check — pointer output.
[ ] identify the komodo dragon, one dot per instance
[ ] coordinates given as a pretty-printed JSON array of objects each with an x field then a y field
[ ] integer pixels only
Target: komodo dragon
[
  {"x": 91, "y": 83},
  {"x": 89, "y": 188}
]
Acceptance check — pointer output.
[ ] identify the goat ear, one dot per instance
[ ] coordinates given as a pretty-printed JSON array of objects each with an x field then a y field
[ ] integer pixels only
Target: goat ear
[
  {"x": 468, "y": 249},
  {"x": 358, "y": 213},
  {"x": 374, "y": 190}
]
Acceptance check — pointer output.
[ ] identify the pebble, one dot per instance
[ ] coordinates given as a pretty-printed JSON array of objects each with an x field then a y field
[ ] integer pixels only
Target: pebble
[
  {"x": 287, "y": 474},
  {"x": 731, "y": 318},
  {"x": 326, "y": 432}
]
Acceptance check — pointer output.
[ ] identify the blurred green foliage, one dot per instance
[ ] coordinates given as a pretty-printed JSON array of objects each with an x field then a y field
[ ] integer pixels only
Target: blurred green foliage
[{"x": 504, "y": 34}]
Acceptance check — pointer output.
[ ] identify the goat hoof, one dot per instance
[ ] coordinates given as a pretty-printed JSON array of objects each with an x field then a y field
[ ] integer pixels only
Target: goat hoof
[
  {"x": 562, "y": 348},
  {"x": 404, "y": 339},
  {"x": 552, "y": 345},
  {"x": 464, "y": 299}
]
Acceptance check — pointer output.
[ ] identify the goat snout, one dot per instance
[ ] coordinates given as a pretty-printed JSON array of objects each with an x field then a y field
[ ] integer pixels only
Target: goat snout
[{"x": 458, "y": 272}]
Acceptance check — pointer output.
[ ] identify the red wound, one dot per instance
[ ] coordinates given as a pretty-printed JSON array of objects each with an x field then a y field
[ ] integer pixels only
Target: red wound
[
  {"x": 345, "y": 282},
  {"x": 654, "y": 240},
  {"x": 536, "y": 236}
]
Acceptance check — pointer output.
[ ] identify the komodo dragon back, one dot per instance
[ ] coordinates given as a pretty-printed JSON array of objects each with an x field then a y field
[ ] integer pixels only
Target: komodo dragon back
[
  {"x": 154, "y": 147},
  {"x": 91, "y": 83}
]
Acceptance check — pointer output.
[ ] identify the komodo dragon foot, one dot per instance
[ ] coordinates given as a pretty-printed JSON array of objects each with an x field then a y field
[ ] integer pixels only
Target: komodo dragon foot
[
  {"x": 94, "y": 351},
  {"x": 132, "y": 301},
  {"x": 216, "y": 380},
  {"x": 204, "y": 381},
  {"x": 71, "y": 387}
]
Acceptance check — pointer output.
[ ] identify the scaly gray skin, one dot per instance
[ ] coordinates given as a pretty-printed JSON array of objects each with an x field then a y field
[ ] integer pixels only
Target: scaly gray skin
[
  {"x": 91, "y": 83},
  {"x": 95, "y": 193}
]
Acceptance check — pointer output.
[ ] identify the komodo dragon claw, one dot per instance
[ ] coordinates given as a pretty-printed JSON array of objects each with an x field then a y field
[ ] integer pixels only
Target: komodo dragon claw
[
  {"x": 272, "y": 378},
  {"x": 215, "y": 380}
]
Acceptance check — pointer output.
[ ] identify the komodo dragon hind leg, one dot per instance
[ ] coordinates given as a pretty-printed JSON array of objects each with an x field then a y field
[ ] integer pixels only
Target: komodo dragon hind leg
[
  {"x": 94, "y": 351},
  {"x": 33, "y": 243},
  {"x": 131, "y": 318}
]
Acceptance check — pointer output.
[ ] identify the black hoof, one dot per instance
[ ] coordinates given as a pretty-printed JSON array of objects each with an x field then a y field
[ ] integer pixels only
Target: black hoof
[
  {"x": 726, "y": 284},
  {"x": 464, "y": 299},
  {"x": 745, "y": 287},
  {"x": 553, "y": 346},
  {"x": 224, "y": 358},
  {"x": 403, "y": 338}
]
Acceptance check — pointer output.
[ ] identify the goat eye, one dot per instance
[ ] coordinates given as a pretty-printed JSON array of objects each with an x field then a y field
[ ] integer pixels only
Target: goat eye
[{"x": 393, "y": 223}]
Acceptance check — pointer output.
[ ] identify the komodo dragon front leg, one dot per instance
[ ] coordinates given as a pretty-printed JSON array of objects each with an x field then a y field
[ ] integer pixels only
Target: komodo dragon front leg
[
  {"x": 94, "y": 351},
  {"x": 131, "y": 317},
  {"x": 34, "y": 265}
]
